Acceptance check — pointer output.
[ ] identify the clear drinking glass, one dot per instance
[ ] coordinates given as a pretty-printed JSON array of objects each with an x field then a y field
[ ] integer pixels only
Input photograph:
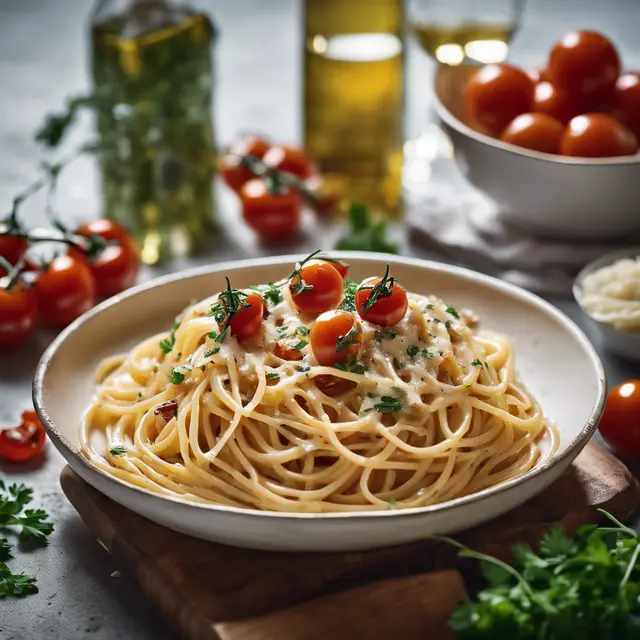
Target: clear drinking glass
[{"x": 451, "y": 33}]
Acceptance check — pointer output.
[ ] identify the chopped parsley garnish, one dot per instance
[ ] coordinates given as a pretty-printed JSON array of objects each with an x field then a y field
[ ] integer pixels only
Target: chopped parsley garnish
[
  {"x": 272, "y": 375},
  {"x": 353, "y": 366},
  {"x": 282, "y": 331},
  {"x": 392, "y": 503},
  {"x": 429, "y": 306},
  {"x": 271, "y": 293},
  {"x": 388, "y": 404},
  {"x": 303, "y": 368},
  {"x": 428, "y": 354},
  {"x": 118, "y": 450},
  {"x": 381, "y": 289},
  {"x": 349, "y": 300},
  {"x": 486, "y": 364},
  {"x": 447, "y": 324},
  {"x": 412, "y": 350},
  {"x": 476, "y": 363},
  {"x": 230, "y": 301},
  {"x": 211, "y": 352},
  {"x": 298, "y": 346},
  {"x": 385, "y": 333},
  {"x": 398, "y": 364},
  {"x": 302, "y": 331},
  {"x": 453, "y": 312},
  {"x": 167, "y": 344},
  {"x": 347, "y": 340},
  {"x": 177, "y": 377},
  {"x": 139, "y": 395}
]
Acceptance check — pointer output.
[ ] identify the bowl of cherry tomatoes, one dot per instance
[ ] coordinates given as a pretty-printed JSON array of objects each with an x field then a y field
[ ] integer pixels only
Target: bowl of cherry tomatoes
[{"x": 557, "y": 147}]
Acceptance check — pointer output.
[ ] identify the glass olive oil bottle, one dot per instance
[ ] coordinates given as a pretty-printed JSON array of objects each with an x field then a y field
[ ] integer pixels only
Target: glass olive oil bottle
[
  {"x": 153, "y": 80},
  {"x": 353, "y": 97}
]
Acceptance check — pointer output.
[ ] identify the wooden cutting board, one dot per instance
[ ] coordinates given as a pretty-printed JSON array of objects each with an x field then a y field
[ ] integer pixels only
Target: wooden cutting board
[{"x": 212, "y": 592}]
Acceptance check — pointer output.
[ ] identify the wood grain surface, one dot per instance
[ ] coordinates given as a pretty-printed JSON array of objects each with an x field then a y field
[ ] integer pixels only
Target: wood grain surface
[{"x": 198, "y": 585}]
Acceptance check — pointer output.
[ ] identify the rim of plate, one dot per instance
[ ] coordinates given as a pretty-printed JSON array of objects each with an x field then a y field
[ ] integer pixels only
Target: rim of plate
[{"x": 467, "y": 274}]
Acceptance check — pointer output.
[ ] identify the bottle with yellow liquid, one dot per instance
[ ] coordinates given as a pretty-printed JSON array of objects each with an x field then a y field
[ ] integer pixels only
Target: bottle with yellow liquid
[
  {"x": 153, "y": 83},
  {"x": 353, "y": 98}
]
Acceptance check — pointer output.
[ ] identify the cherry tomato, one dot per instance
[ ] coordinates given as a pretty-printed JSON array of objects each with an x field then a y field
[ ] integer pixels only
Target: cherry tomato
[
  {"x": 107, "y": 229},
  {"x": 22, "y": 443},
  {"x": 247, "y": 322},
  {"x": 65, "y": 290},
  {"x": 341, "y": 267},
  {"x": 585, "y": 63},
  {"x": 281, "y": 350},
  {"x": 326, "y": 287},
  {"x": 496, "y": 94},
  {"x": 12, "y": 248},
  {"x": 326, "y": 200},
  {"x": 336, "y": 336},
  {"x": 596, "y": 135},
  {"x": 390, "y": 304},
  {"x": 554, "y": 102},
  {"x": 535, "y": 131},
  {"x": 620, "y": 423},
  {"x": 233, "y": 172},
  {"x": 292, "y": 160},
  {"x": 538, "y": 75},
  {"x": 18, "y": 315},
  {"x": 628, "y": 99},
  {"x": 273, "y": 216}
]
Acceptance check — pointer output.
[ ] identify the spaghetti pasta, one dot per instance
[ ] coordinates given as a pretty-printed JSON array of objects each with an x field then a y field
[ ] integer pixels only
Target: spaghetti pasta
[{"x": 431, "y": 409}]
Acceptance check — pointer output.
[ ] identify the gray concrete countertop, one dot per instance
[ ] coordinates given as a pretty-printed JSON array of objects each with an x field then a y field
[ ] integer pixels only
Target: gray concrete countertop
[{"x": 43, "y": 61}]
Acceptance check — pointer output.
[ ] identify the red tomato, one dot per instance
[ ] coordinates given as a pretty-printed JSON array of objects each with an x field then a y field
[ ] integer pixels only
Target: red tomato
[
  {"x": 334, "y": 385},
  {"x": 341, "y": 267},
  {"x": 620, "y": 423},
  {"x": 12, "y": 248},
  {"x": 316, "y": 287},
  {"x": 535, "y": 131},
  {"x": 273, "y": 216},
  {"x": 116, "y": 267},
  {"x": 292, "y": 160},
  {"x": 18, "y": 315},
  {"x": 22, "y": 443},
  {"x": 584, "y": 63},
  {"x": 281, "y": 350},
  {"x": 496, "y": 94},
  {"x": 247, "y": 322},
  {"x": 233, "y": 172},
  {"x": 65, "y": 290},
  {"x": 336, "y": 336},
  {"x": 557, "y": 103},
  {"x": 538, "y": 75},
  {"x": 326, "y": 200},
  {"x": 596, "y": 135},
  {"x": 628, "y": 99},
  {"x": 390, "y": 304}
]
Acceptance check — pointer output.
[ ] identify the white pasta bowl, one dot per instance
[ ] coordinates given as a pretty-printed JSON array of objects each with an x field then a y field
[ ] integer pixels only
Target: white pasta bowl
[
  {"x": 554, "y": 358},
  {"x": 548, "y": 194}
]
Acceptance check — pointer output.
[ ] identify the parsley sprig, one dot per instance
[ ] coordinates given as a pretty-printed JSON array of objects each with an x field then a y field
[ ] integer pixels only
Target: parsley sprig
[
  {"x": 271, "y": 293},
  {"x": 349, "y": 300},
  {"x": 230, "y": 301},
  {"x": 348, "y": 339},
  {"x": 388, "y": 404},
  {"x": 584, "y": 586},
  {"x": 167, "y": 344},
  {"x": 381, "y": 289}
]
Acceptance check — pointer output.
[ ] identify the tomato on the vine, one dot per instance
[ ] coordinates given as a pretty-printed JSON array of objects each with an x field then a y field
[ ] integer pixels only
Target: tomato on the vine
[
  {"x": 234, "y": 173},
  {"x": 316, "y": 287},
  {"x": 65, "y": 290},
  {"x": 281, "y": 350},
  {"x": 24, "y": 442},
  {"x": 381, "y": 301},
  {"x": 336, "y": 336},
  {"x": 272, "y": 211},
  {"x": 292, "y": 160},
  {"x": 12, "y": 248},
  {"x": 620, "y": 423},
  {"x": 18, "y": 315},
  {"x": 247, "y": 322}
]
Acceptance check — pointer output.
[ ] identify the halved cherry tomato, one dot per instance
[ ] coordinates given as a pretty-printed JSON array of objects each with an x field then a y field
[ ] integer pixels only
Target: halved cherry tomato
[
  {"x": 18, "y": 315},
  {"x": 597, "y": 135},
  {"x": 273, "y": 216},
  {"x": 620, "y": 423},
  {"x": 336, "y": 336},
  {"x": 316, "y": 287},
  {"x": 65, "y": 290},
  {"x": 24, "y": 442},
  {"x": 292, "y": 160},
  {"x": 390, "y": 300},
  {"x": 535, "y": 131},
  {"x": 496, "y": 94},
  {"x": 116, "y": 267},
  {"x": 247, "y": 322},
  {"x": 281, "y": 350},
  {"x": 233, "y": 172},
  {"x": 554, "y": 102},
  {"x": 628, "y": 99},
  {"x": 585, "y": 63}
]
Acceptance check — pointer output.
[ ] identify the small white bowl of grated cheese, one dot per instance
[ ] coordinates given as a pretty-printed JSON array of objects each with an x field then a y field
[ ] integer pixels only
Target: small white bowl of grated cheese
[{"x": 608, "y": 291}]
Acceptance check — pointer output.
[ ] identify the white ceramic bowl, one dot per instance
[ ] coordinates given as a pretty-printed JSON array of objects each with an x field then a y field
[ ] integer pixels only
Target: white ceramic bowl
[
  {"x": 553, "y": 195},
  {"x": 625, "y": 344},
  {"x": 555, "y": 359}
]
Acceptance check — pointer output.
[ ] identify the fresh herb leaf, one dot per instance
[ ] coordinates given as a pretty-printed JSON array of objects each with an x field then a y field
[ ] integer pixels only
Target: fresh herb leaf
[
  {"x": 353, "y": 366},
  {"x": 298, "y": 346},
  {"x": 347, "y": 340},
  {"x": 272, "y": 294},
  {"x": 282, "y": 331},
  {"x": 302, "y": 331},
  {"x": 476, "y": 363},
  {"x": 167, "y": 344},
  {"x": 117, "y": 451},
  {"x": 349, "y": 300},
  {"x": 211, "y": 352},
  {"x": 15, "y": 584},
  {"x": 303, "y": 368},
  {"x": 388, "y": 404},
  {"x": 365, "y": 233},
  {"x": 447, "y": 324},
  {"x": 272, "y": 375},
  {"x": 398, "y": 364},
  {"x": 5, "y": 550},
  {"x": 230, "y": 302},
  {"x": 412, "y": 350},
  {"x": 177, "y": 377},
  {"x": 453, "y": 312},
  {"x": 427, "y": 353},
  {"x": 392, "y": 503},
  {"x": 384, "y": 333}
]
